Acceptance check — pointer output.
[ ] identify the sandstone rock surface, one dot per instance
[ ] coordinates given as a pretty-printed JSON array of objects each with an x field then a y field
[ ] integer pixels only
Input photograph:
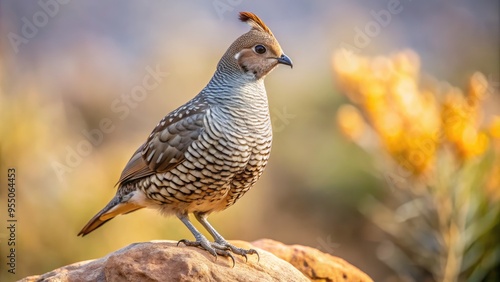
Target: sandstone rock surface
[
  {"x": 316, "y": 265},
  {"x": 165, "y": 261}
]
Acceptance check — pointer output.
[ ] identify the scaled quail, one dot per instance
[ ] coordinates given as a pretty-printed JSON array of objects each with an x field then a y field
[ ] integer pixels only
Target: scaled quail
[{"x": 205, "y": 155}]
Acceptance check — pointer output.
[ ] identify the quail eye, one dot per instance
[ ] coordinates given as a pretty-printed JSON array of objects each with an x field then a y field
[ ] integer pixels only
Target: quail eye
[{"x": 259, "y": 49}]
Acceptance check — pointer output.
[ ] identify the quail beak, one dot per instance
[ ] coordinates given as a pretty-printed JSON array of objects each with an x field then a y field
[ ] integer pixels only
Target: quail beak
[{"x": 285, "y": 60}]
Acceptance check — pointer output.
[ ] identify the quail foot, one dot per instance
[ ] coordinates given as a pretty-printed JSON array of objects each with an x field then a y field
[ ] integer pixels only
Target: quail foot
[{"x": 204, "y": 156}]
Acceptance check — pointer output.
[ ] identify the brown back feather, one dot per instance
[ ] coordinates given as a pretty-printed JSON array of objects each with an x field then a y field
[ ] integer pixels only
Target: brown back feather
[{"x": 255, "y": 22}]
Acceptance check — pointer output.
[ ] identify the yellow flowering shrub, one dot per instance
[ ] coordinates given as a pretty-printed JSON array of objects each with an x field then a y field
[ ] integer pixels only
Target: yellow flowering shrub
[{"x": 444, "y": 157}]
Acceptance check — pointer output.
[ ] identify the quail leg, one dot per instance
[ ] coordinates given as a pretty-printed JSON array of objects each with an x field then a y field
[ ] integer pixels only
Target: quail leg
[
  {"x": 220, "y": 241},
  {"x": 202, "y": 242}
]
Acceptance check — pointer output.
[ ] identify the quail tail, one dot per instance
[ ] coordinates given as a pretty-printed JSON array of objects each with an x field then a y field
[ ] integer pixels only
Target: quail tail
[{"x": 115, "y": 207}]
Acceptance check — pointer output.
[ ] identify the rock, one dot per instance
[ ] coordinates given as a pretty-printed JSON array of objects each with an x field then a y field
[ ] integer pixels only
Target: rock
[
  {"x": 165, "y": 261},
  {"x": 315, "y": 264}
]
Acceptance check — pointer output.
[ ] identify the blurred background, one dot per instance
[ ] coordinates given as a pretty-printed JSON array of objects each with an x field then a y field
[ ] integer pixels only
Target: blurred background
[{"x": 372, "y": 83}]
